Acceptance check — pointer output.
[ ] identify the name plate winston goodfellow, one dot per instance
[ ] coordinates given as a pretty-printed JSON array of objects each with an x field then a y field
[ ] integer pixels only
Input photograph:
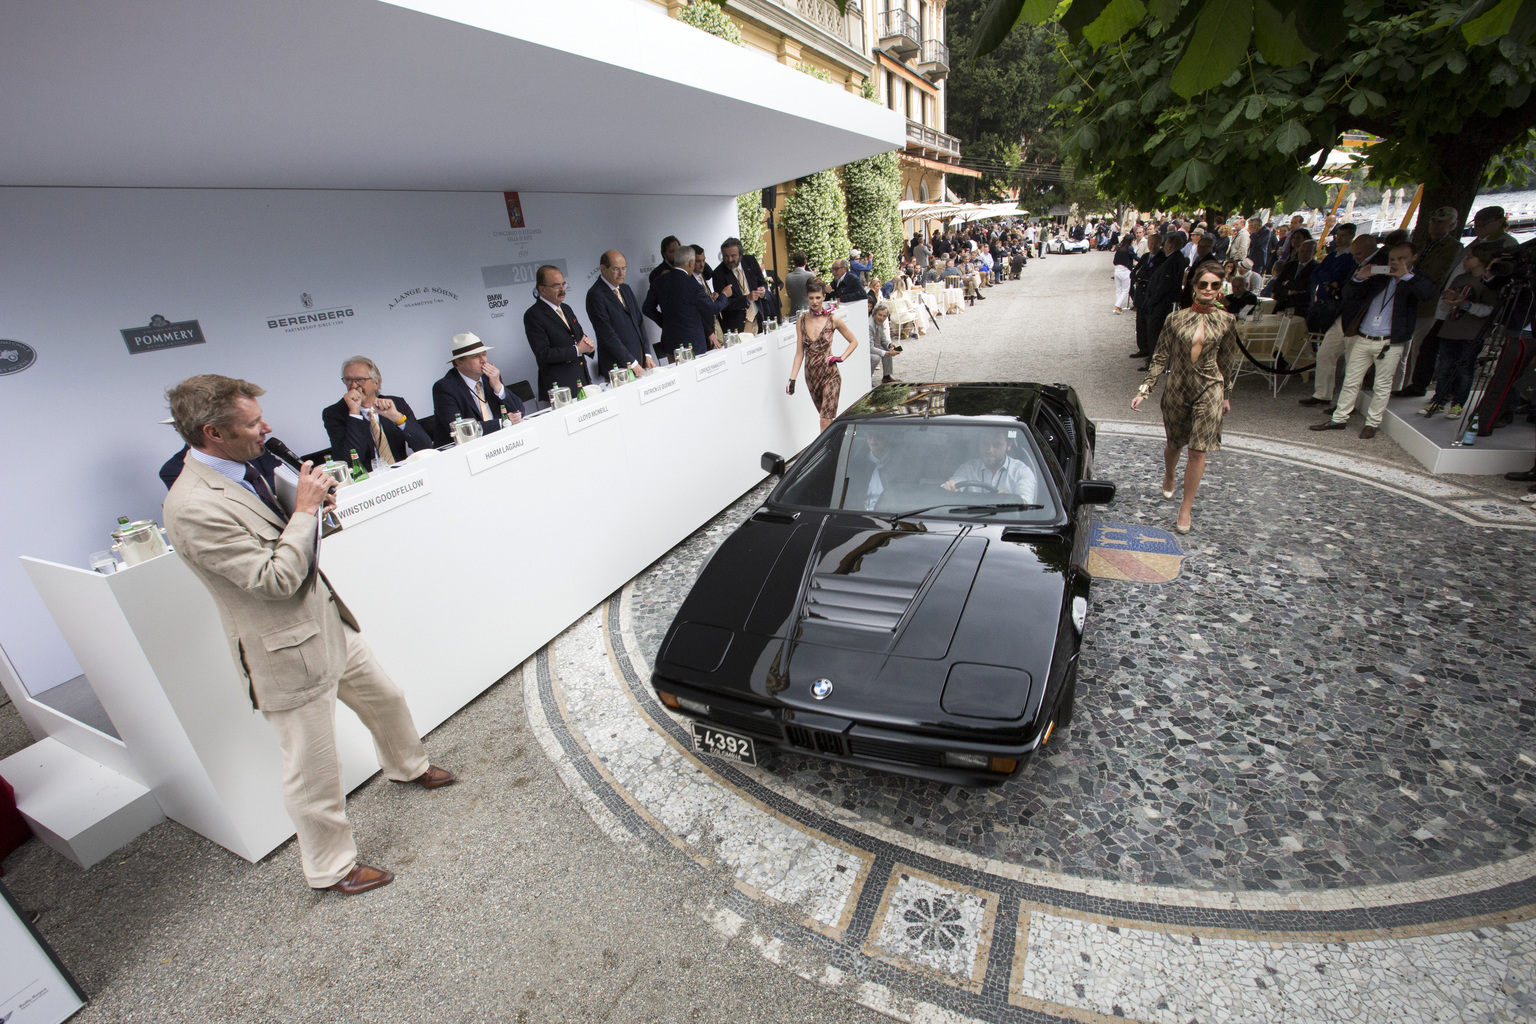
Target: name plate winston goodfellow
[
  {"x": 396, "y": 490},
  {"x": 587, "y": 413},
  {"x": 661, "y": 387},
  {"x": 753, "y": 350},
  {"x": 703, "y": 369},
  {"x": 505, "y": 446}
]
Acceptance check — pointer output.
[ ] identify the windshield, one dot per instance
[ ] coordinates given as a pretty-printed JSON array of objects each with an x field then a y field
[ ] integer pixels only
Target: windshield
[{"x": 983, "y": 471}]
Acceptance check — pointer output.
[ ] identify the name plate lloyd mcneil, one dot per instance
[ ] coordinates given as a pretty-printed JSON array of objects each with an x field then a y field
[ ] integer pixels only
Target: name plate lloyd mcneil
[
  {"x": 503, "y": 446},
  {"x": 589, "y": 412},
  {"x": 753, "y": 350},
  {"x": 660, "y": 387},
  {"x": 393, "y": 490},
  {"x": 703, "y": 369}
]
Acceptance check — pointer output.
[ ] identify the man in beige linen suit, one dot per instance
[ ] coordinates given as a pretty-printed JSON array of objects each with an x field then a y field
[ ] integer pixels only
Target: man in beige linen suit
[{"x": 293, "y": 640}]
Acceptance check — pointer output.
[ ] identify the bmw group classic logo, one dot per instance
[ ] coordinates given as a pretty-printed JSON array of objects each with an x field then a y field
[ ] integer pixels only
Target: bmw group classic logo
[
  {"x": 821, "y": 688},
  {"x": 15, "y": 356}
]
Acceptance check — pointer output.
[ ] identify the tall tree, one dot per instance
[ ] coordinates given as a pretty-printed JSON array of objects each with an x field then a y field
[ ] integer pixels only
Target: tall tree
[
  {"x": 999, "y": 105},
  {"x": 1220, "y": 102}
]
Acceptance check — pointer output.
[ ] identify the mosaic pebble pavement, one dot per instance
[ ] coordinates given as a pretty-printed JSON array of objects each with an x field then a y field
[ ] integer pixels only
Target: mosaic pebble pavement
[{"x": 1300, "y": 783}]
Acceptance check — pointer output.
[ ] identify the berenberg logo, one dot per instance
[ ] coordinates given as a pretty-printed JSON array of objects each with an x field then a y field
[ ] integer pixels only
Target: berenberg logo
[
  {"x": 307, "y": 300},
  {"x": 162, "y": 333}
]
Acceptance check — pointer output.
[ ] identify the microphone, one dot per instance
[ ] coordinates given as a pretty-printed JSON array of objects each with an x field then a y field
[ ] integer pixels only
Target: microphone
[{"x": 286, "y": 456}]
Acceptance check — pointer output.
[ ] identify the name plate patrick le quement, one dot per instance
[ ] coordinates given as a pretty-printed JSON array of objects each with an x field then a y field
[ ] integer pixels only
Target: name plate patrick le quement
[
  {"x": 659, "y": 387},
  {"x": 753, "y": 350},
  {"x": 380, "y": 495},
  {"x": 586, "y": 413},
  {"x": 503, "y": 446},
  {"x": 703, "y": 369}
]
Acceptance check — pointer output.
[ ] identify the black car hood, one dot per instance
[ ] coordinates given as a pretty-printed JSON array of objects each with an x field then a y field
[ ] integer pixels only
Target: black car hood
[{"x": 885, "y": 611}]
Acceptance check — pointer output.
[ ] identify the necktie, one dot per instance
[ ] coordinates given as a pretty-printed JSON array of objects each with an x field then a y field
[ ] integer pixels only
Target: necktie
[
  {"x": 485, "y": 410},
  {"x": 259, "y": 485},
  {"x": 620, "y": 295},
  {"x": 380, "y": 442},
  {"x": 561, "y": 311}
]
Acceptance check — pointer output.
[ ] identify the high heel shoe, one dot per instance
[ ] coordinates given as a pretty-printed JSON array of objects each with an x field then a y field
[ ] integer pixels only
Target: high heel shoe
[
  {"x": 1167, "y": 492},
  {"x": 1181, "y": 529}
]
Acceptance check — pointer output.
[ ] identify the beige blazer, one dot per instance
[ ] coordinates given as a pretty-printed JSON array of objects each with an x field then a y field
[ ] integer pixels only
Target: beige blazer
[{"x": 283, "y": 622}]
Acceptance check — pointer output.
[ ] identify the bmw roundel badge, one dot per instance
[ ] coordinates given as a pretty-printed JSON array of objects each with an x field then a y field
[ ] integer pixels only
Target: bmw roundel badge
[{"x": 821, "y": 688}]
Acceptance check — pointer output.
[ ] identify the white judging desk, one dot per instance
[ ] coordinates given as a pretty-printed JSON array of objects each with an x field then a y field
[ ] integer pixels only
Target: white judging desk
[{"x": 459, "y": 567}]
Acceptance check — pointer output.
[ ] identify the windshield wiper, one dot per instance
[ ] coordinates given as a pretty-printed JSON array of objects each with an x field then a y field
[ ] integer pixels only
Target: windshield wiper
[
  {"x": 1013, "y": 506},
  {"x": 1017, "y": 506}
]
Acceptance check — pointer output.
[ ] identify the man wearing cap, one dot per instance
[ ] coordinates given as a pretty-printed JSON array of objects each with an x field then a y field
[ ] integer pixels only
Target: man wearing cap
[
  {"x": 1440, "y": 261},
  {"x": 472, "y": 389},
  {"x": 296, "y": 647},
  {"x": 560, "y": 345},
  {"x": 371, "y": 424}
]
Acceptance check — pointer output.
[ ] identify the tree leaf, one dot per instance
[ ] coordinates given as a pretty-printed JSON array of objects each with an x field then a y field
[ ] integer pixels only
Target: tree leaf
[
  {"x": 1080, "y": 15},
  {"x": 1255, "y": 107},
  {"x": 1291, "y": 136},
  {"x": 1197, "y": 175},
  {"x": 1037, "y": 12},
  {"x": 1217, "y": 47},
  {"x": 1320, "y": 24},
  {"x": 1492, "y": 23},
  {"x": 1455, "y": 62},
  {"x": 994, "y": 25},
  {"x": 1357, "y": 105},
  {"x": 1275, "y": 36},
  {"x": 1175, "y": 181},
  {"x": 1164, "y": 11},
  {"x": 1087, "y": 138},
  {"x": 1118, "y": 18}
]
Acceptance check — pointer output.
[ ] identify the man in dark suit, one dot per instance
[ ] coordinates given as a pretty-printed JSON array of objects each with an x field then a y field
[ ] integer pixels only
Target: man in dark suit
[
  {"x": 560, "y": 345},
  {"x": 846, "y": 286},
  {"x": 742, "y": 272},
  {"x": 681, "y": 307},
  {"x": 616, "y": 319},
  {"x": 370, "y": 423},
  {"x": 471, "y": 388},
  {"x": 668, "y": 247},
  {"x": 1163, "y": 288}
]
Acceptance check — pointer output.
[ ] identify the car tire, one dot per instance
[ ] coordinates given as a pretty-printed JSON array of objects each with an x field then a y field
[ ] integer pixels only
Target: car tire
[{"x": 1065, "y": 706}]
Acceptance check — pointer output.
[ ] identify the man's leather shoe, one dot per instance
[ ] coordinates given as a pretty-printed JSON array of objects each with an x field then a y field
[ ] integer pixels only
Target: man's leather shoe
[
  {"x": 1137, "y": 355},
  {"x": 1327, "y": 425},
  {"x": 435, "y": 778},
  {"x": 1313, "y": 401},
  {"x": 1524, "y": 476},
  {"x": 1366, "y": 433},
  {"x": 360, "y": 879}
]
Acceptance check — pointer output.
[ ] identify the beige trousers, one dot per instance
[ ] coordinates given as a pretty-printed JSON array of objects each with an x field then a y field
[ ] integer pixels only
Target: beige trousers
[
  {"x": 1329, "y": 351},
  {"x": 313, "y": 791},
  {"x": 1362, "y": 353}
]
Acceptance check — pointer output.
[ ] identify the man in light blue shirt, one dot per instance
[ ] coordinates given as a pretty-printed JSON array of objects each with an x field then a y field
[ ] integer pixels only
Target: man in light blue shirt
[{"x": 995, "y": 469}]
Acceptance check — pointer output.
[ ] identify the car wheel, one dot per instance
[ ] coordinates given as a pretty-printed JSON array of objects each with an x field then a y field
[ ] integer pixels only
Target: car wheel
[{"x": 1068, "y": 702}]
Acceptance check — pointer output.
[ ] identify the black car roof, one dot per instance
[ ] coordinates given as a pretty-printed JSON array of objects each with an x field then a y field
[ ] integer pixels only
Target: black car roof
[{"x": 1013, "y": 399}]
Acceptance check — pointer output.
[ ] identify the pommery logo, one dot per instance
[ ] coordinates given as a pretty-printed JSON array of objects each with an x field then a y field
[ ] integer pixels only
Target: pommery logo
[
  {"x": 15, "y": 357},
  {"x": 162, "y": 333}
]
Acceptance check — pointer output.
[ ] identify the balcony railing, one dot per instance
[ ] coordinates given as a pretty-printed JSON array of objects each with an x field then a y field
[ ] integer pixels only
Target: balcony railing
[
  {"x": 900, "y": 34},
  {"x": 847, "y": 26},
  {"x": 921, "y": 136},
  {"x": 934, "y": 61}
]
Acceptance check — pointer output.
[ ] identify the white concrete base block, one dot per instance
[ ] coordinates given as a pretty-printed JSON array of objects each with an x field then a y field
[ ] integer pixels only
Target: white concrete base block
[
  {"x": 1431, "y": 440},
  {"x": 78, "y": 807}
]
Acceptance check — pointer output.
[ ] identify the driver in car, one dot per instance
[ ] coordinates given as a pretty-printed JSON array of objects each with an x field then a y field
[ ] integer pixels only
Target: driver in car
[{"x": 995, "y": 469}]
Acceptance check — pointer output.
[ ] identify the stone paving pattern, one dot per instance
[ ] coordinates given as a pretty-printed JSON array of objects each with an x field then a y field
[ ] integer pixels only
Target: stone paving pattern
[{"x": 1335, "y": 694}]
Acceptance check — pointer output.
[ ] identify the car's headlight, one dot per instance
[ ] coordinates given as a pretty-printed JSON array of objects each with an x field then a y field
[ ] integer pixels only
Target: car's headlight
[{"x": 1079, "y": 612}]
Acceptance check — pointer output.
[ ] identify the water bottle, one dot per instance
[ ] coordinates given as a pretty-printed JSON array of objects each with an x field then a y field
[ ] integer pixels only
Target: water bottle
[
  {"x": 1470, "y": 437},
  {"x": 358, "y": 472}
]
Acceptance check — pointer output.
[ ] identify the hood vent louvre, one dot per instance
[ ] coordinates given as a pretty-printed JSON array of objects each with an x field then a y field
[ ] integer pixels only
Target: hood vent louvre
[{"x": 858, "y": 602}]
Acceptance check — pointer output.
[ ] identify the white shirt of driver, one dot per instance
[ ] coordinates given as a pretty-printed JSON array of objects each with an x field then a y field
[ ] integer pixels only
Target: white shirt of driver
[{"x": 1012, "y": 477}]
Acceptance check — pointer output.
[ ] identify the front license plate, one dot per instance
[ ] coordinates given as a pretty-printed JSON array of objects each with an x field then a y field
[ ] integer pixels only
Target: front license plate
[{"x": 709, "y": 740}]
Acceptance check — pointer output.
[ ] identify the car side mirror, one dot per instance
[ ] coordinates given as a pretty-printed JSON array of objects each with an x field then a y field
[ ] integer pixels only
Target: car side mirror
[
  {"x": 774, "y": 465},
  {"x": 1095, "y": 492}
]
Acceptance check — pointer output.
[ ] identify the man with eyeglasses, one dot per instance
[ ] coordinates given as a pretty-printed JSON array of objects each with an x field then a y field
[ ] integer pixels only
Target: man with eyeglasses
[
  {"x": 560, "y": 344},
  {"x": 377, "y": 427}
]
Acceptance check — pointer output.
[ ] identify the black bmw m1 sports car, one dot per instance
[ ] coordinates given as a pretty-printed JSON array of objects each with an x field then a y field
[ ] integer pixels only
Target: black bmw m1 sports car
[{"x": 910, "y": 598}]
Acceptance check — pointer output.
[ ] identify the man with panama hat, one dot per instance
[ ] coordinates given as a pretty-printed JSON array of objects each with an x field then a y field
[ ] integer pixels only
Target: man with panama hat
[{"x": 471, "y": 388}]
